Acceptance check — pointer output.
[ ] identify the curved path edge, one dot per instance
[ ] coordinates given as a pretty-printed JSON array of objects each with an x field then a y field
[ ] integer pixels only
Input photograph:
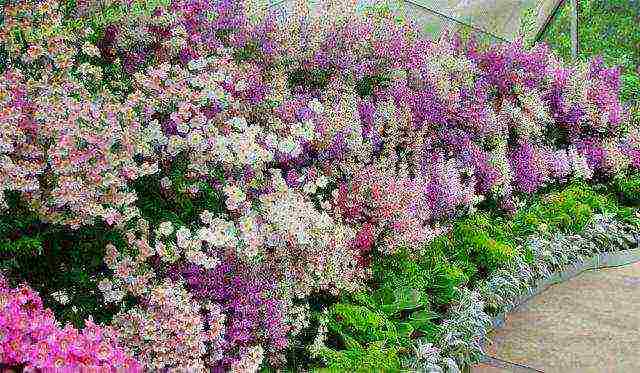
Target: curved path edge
[{"x": 599, "y": 261}]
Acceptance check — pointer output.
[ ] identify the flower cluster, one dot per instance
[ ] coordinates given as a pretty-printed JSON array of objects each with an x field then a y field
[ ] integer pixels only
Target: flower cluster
[
  {"x": 169, "y": 330},
  {"x": 400, "y": 209},
  {"x": 30, "y": 336},
  {"x": 329, "y": 135},
  {"x": 70, "y": 156},
  {"x": 194, "y": 289},
  {"x": 255, "y": 316}
]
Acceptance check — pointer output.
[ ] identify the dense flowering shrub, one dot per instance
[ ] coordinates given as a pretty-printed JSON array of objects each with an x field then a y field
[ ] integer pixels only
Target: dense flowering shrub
[
  {"x": 31, "y": 336},
  {"x": 199, "y": 296},
  {"x": 71, "y": 158},
  {"x": 331, "y": 139}
]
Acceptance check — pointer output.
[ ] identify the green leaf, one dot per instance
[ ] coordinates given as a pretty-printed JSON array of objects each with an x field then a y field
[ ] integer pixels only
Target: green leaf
[
  {"x": 405, "y": 329},
  {"x": 420, "y": 319}
]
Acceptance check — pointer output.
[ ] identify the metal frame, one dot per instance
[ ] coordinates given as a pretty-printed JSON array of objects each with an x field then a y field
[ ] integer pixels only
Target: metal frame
[
  {"x": 442, "y": 15},
  {"x": 575, "y": 37},
  {"x": 550, "y": 18},
  {"x": 547, "y": 22}
]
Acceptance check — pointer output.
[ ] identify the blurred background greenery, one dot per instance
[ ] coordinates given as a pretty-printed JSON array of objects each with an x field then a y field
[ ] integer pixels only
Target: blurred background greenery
[{"x": 609, "y": 28}]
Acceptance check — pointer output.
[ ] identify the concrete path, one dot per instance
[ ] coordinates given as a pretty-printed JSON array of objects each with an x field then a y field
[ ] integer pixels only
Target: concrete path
[{"x": 590, "y": 323}]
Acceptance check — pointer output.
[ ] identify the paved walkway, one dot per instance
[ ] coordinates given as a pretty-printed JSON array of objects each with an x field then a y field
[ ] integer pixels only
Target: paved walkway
[{"x": 590, "y": 323}]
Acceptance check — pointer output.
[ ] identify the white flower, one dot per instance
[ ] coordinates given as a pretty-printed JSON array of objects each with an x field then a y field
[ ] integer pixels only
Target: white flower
[
  {"x": 302, "y": 237},
  {"x": 196, "y": 82},
  {"x": 218, "y": 77},
  {"x": 165, "y": 182},
  {"x": 271, "y": 140},
  {"x": 322, "y": 181},
  {"x": 296, "y": 129},
  {"x": 175, "y": 145},
  {"x": 217, "y": 93},
  {"x": 90, "y": 50},
  {"x": 195, "y": 138},
  {"x": 288, "y": 145},
  {"x": 204, "y": 234},
  {"x": 316, "y": 106},
  {"x": 308, "y": 130},
  {"x": 61, "y": 297},
  {"x": 198, "y": 121},
  {"x": 183, "y": 234},
  {"x": 252, "y": 156},
  {"x": 239, "y": 123},
  {"x": 235, "y": 196},
  {"x": 241, "y": 85},
  {"x": 113, "y": 296},
  {"x": 197, "y": 64},
  {"x": 297, "y": 150},
  {"x": 206, "y": 217},
  {"x": 249, "y": 249},
  {"x": 105, "y": 285},
  {"x": 209, "y": 262},
  {"x": 325, "y": 205},
  {"x": 580, "y": 165},
  {"x": 165, "y": 228},
  {"x": 183, "y": 127},
  {"x": 309, "y": 188},
  {"x": 247, "y": 224}
]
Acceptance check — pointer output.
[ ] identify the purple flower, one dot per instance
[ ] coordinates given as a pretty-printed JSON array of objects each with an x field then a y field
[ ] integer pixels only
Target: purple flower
[
  {"x": 529, "y": 169},
  {"x": 593, "y": 151},
  {"x": 247, "y": 297}
]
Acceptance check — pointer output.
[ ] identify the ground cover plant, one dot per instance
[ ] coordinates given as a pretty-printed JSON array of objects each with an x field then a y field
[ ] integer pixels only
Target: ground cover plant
[{"x": 201, "y": 185}]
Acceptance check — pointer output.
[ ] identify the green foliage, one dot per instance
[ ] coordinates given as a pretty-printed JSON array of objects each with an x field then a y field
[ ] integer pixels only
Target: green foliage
[
  {"x": 370, "y": 331},
  {"x": 176, "y": 205},
  {"x": 432, "y": 274},
  {"x": 608, "y": 28},
  {"x": 568, "y": 210},
  {"x": 364, "y": 335},
  {"x": 356, "y": 322},
  {"x": 367, "y": 85},
  {"x": 628, "y": 189},
  {"x": 249, "y": 52},
  {"x": 410, "y": 293},
  {"x": 484, "y": 241},
  {"x": 115, "y": 12},
  {"x": 315, "y": 79},
  {"x": 375, "y": 357},
  {"x": 51, "y": 259}
]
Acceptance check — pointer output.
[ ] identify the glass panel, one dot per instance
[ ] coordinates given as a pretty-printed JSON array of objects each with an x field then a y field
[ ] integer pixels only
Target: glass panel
[{"x": 503, "y": 20}]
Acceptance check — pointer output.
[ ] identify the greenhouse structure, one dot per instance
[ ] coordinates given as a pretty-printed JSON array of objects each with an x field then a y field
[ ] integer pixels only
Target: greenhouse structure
[{"x": 437, "y": 186}]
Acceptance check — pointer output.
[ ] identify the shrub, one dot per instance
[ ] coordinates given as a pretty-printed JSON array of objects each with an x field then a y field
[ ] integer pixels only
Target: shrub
[
  {"x": 245, "y": 165},
  {"x": 31, "y": 337},
  {"x": 628, "y": 188},
  {"x": 568, "y": 210}
]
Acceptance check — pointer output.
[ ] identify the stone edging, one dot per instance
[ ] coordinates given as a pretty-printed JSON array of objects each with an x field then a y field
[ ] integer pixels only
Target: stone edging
[
  {"x": 602, "y": 260},
  {"x": 598, "y": 261}
]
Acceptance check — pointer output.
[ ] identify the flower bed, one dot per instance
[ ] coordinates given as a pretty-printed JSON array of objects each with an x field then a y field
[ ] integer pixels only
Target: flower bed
[{"x": 227, "y": 191}]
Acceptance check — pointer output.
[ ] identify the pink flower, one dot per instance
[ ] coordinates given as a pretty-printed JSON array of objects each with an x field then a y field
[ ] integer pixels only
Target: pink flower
[
  {"x": 111, "y": 216},
  {"x": 365, "y": 237},
  {"x": 37, "y": 341}
]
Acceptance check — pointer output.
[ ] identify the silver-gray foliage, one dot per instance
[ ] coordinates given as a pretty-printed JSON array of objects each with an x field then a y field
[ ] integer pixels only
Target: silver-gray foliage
[{"x": 467, "y": 322}]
